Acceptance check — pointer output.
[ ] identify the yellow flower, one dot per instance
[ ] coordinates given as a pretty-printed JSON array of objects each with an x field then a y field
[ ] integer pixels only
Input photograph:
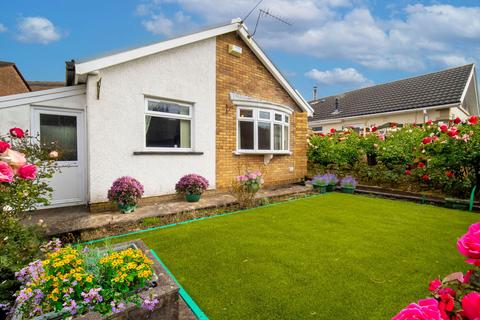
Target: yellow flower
[{"x": 88, "y": 279}]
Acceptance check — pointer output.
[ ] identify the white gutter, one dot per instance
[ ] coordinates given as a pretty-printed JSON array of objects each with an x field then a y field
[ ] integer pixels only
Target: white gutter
[{"x": 42, "y": 95}]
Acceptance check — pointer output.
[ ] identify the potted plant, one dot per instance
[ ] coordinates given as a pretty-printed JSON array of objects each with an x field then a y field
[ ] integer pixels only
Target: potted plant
[
  {"x": 320, "y": 183},
  {"x": 125, "y": 192},
  {"x": 348, "y": 184},
  {"x": 191, "y": 186},
  {"x": 245, "y": 187},
  {"x": 332, "y": 181}
]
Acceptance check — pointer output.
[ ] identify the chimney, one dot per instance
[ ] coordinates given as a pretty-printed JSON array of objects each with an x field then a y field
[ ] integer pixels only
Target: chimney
[
  {"x": 70, "y": 73},
  {"x": 315, "y": 93},
  {"x": 336, "y": 104}
]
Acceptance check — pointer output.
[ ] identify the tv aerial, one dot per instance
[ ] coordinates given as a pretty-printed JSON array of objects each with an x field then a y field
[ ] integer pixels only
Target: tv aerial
[{"x": 264, "y": 13}]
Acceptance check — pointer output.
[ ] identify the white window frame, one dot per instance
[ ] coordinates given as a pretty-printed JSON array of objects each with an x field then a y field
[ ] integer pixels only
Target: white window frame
[
  {"x": 171, "y": 116},
  {"x": 256, "y": 119}
]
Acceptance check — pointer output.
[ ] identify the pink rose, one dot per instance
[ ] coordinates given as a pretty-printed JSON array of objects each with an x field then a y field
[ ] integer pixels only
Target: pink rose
[
  {"x": 6, "y": 172},
  {"x": 469, "y": 244},
  {"x": 27, "y": 172},
  {"x": 434, "y": 285},
  {"x": 471, "y": 306},
  {"x": 15, "y": 158},
  {"x": 426, "y": 309},
  {"x": 4, "y": 146},
  {"x": 17, "y": 133}
]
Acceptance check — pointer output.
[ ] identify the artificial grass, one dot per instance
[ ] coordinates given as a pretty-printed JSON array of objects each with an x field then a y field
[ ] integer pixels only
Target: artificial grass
[{"x": 334, "y": 256}]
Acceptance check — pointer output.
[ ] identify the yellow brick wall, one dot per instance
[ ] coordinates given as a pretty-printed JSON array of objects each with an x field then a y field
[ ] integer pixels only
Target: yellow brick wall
[{"x": 246, "y": 75}]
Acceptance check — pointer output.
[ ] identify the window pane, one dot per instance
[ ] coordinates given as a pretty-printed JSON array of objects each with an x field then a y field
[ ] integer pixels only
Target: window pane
[
  {"x": 168, "y": 107},
  {"x": 167, "y": 133},
  {"x": 264, "y": 135},
  {"x": 278, "y": 117},
  {"x": 61, "y": 130},
  {"x": 246, "y": 113},
  {"x": 277, "y": 136},
  {"x": 264, "y": 115},
  {"x": 285, "y": 138},
  {"x": 286, "y": 118},
  {"x": 246, "y": 135}
]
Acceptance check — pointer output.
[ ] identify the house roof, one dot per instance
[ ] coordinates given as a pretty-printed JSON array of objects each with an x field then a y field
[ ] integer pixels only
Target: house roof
[
  {"x": 11, "y": 64},
  {"x": 91, "y": 66},
  {"x": 44, "y": 85},
  {"x": 434, "y": 89}
]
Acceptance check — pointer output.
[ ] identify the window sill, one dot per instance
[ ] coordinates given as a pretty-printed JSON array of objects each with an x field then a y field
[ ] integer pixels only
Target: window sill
[
  {"x": 167, "y": 153},
  {"x": 262, "y": 152}
]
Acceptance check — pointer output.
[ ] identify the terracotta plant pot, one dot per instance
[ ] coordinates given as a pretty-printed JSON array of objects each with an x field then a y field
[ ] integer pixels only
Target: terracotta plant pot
[
  {"x": 192, "y": 197},
  {"x": 127, "y": 208}
]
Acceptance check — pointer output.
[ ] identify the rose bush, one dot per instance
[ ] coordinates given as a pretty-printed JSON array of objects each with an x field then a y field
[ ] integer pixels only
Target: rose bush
[
  {"x": 25, "y": 170},
  {"x": 442, "y": 157},
  {"x": 457, "y": 296},
  {"x": 246, "y": 186}
]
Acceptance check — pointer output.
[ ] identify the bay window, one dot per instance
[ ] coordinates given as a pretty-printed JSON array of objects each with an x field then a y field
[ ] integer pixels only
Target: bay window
[
  {"x": 168, "y": 124},
  {"x": 262, "y": 131}
]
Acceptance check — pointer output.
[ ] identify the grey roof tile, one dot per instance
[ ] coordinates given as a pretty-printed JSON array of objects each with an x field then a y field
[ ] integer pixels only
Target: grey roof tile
[{"x": 433, "y": 89}]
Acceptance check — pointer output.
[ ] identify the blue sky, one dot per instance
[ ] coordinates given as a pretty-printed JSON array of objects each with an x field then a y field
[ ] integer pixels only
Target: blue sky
[{"x": 338, "y": 45}]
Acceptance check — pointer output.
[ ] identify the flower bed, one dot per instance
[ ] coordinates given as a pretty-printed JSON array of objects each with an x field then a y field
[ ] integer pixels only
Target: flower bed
[
  {"x": 438, "y": 157},
  {"x": 122, "y": 281}
]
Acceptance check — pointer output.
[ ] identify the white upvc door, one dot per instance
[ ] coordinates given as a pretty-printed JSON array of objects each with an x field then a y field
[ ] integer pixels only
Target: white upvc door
[{"x": 66, "y": 129}]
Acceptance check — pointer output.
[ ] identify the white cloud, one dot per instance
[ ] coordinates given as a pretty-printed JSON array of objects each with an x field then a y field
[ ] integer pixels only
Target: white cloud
[
  {"x": 414, "y": 37},
  {"x": 452, "y": 60},
  {"x": 159, "y": 24},
  {"x": 2, "y": 28},
  {"x": 339, "y": 76},
  {"x": 37, "y": 30}
]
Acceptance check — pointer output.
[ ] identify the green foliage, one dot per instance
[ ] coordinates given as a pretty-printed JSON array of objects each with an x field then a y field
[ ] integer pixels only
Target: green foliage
[
  {"x": 443, "y": 157},
  {"x": 18, "y": 246}
]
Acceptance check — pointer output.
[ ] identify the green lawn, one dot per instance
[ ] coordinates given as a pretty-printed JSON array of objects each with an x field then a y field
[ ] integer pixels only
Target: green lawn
[{"x": 334, "y": 256}]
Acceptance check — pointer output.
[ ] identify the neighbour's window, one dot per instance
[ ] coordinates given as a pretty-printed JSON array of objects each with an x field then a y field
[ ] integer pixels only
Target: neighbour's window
[
  {"x": 168, "y": 124},
  {"x": 317, "y": 129},
  {"x": 262, "y": 130}
]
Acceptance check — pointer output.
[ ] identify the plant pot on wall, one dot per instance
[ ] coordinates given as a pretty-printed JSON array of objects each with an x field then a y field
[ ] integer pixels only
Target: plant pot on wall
[
  {"x": 127, "y": 208},
  {"x": 192, "y": 197},
  {"x": 348, "y": 189}
]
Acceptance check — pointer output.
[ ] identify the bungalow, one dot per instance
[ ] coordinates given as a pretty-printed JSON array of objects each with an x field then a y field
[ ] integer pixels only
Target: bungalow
[
  {"x": 209, "y": 102},
  {"x": 443, "y": 95}
]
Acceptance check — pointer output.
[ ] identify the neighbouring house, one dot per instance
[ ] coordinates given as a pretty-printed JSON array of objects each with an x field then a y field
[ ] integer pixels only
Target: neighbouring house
[
  {"x": 11, "y": 79},
  {"x": 209, "y": 102},
  {"x": 435, "y": 96},
  {"x": 45, "y": 85}
]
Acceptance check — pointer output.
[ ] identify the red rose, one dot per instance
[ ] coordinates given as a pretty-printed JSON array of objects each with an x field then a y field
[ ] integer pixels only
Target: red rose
[
  {"x": 449, "y": 174},
  {"x": 421, "y": 165},
  {"x": 408, "y": 172},
  {"x": 473, "y": 119},
  {"x": 374, "y": 129},
  {"x": 452, "y": 132},
  {"x": 27, "y": 172},
  {"x": 332, "y": 130},
  {"x": 457, "y": 120},
  {"x": 17, "y": 132},
  {"x": 321, "y": 135},
  {"x": 447, "y": 291},
  {"x": 434, "y": 285},
  {"x": 425, "y": 177},
  {"x": 468, "y": 274},
  {"x": 429, "y": 122},
  {"x": 427, "y": 140},
  {"x": 444, "y": 128},
  {"x": 4, "y": 146}
]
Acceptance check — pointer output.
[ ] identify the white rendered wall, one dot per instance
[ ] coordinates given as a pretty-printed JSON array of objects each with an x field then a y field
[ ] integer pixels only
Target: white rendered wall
[{"x": 116, "y": 121}]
